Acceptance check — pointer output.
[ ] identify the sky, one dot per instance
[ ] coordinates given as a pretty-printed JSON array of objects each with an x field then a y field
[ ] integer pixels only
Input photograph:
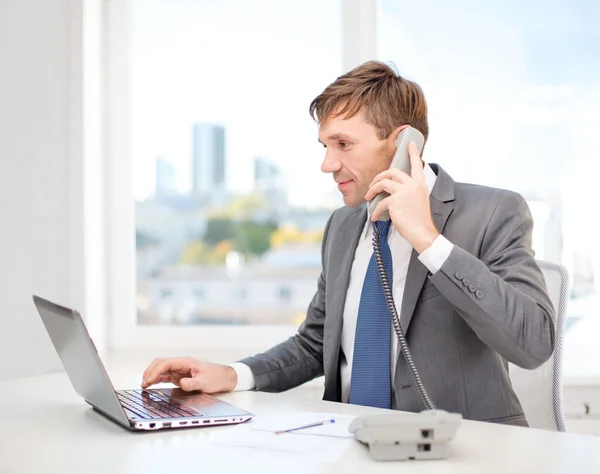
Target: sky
[{"x": 254, "y": 70}]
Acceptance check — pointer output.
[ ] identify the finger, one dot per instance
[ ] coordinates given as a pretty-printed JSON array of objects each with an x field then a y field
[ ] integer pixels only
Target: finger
[
  {"x": 189, "y": 384},
  {"x": 150, "y": 367},
  {"x": 176, "y": 378},
  {"x": 180, "y": 367},
  {"x": 380, "y": 208},
  {"x": 394, "y": 174},
  {"x": 386, "y": 185},
  {"x": 164, "y": 378},
  {"x": 166, "y": 366},
  {"x": 416, "y": 164},
  {"x": 149, "y": 370}
]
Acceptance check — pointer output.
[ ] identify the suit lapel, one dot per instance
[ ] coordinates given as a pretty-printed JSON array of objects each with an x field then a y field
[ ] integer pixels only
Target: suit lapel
[
  {"x": 442, "y": 203},
  {"x": 341, "y": 260},
  {"x": 346, "y": 245}
]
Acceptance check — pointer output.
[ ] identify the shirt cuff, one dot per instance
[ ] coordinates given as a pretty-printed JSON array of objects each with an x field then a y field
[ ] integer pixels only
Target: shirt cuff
[
  {"x": 245, "y": 379},
  {"x": 437, "y": 254}
]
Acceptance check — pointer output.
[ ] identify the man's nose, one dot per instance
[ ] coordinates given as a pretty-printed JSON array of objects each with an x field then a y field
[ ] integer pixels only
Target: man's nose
[{"x": 331, "y": 163}]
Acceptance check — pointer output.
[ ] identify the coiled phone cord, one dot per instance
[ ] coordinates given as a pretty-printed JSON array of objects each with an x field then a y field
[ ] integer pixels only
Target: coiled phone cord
[{"x": 396, "y": 321}]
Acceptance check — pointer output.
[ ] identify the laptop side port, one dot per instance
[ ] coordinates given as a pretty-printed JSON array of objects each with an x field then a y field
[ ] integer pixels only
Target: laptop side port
[{"x": 166, "y": 424}]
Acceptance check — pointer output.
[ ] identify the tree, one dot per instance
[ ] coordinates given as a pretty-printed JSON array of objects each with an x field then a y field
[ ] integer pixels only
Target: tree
[
  {"x": 246, "y": 206},
  {"x": 248, "y": 236},
  {"x": 219, "y": 229},
  {"x": 291, "y": 234},
  {"x": 253, "y": 237},
  {"x": 193, "y": 252},
  {"x": 198, "y": 253},
  {"x": 143, "y": 240}
]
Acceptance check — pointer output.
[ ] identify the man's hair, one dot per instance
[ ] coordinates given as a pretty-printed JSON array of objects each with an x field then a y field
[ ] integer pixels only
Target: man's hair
[{"x": 388, "y": 100}]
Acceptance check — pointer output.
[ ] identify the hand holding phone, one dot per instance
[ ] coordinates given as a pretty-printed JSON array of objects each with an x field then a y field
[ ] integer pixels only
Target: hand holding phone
[{"x": 400, "y": 161}]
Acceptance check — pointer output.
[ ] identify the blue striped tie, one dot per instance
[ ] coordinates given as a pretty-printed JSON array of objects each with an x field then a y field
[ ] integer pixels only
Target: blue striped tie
[{"x": 371, "y": 379}]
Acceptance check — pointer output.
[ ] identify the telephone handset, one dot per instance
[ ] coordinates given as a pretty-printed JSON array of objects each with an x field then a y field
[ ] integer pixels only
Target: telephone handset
[{"x": 401, "y": 161}]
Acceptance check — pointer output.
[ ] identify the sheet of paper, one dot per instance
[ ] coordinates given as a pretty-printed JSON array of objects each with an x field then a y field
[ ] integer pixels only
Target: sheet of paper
[
  {"x": 326, "y": 442},
  {"x": 285, "y": 421}
]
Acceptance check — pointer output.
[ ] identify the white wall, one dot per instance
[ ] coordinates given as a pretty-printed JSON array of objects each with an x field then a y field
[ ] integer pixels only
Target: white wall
[{"x": 41, "y": 169}]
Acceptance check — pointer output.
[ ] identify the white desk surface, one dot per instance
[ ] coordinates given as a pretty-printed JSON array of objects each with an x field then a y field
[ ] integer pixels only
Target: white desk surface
[{"x": 45, "y": 427}]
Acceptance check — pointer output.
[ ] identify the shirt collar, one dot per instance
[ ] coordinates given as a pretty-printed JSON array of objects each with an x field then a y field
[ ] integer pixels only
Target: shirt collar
[{"x": 430, "y": 179}]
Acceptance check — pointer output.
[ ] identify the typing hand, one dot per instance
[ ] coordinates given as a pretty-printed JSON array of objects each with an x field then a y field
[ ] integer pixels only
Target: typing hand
[{"x": 191, "y": 374}]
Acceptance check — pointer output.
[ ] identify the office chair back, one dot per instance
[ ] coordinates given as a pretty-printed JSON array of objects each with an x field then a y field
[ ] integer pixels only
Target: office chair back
[{"x": 540, "y": 390}]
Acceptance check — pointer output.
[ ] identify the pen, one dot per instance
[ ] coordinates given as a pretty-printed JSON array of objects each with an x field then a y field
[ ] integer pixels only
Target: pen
[{"x": 318, "y": 423}]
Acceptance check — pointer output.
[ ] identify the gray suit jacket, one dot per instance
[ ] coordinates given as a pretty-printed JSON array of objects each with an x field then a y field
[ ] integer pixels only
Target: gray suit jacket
[{"x": 485, "y": 307}]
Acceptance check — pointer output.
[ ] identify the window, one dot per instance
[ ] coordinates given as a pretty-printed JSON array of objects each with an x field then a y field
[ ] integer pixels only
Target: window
[
  {"x": 223, "y": 148},
  {"x": 225, "y": 163},
  {"x": 514, "y": 101}
]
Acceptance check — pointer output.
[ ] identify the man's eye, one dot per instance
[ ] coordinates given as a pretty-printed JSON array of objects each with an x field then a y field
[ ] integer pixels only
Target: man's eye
[{"x": 344, "y": 144}]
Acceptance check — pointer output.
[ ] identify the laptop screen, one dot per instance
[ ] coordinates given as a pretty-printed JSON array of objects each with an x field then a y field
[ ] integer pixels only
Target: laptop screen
[{"x": 79, "y": 357}]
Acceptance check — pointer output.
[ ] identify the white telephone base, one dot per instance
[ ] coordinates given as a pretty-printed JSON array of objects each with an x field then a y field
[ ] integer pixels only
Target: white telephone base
[{"x": 407, "y": 436}]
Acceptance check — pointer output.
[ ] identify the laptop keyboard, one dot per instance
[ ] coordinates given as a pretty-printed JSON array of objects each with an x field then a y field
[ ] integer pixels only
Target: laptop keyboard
[{"x": 148, "y": 405}]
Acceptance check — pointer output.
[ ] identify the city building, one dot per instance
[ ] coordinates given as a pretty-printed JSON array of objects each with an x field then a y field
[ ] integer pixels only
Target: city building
[{"x": 208, "y": 159}]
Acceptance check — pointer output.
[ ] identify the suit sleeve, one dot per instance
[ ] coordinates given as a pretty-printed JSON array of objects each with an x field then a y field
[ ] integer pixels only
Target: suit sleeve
[
  {"x": 502, "y": 295},
  {"x": 300, "y": 358}
]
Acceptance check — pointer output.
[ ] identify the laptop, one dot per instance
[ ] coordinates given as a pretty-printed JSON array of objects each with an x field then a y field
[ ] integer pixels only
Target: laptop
[{"x": 136, "y": 410}]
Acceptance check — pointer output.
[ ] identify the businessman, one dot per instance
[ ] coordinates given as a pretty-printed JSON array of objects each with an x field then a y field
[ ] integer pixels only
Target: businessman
[{"x": 463, "y": 276}]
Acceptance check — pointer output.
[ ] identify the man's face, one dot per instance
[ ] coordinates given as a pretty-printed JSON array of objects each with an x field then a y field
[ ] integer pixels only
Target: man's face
[{"x": 355, "y": 155}]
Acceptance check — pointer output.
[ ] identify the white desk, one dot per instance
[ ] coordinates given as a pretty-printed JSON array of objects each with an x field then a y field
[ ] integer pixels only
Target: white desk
[{"x": 46, "y": 428}]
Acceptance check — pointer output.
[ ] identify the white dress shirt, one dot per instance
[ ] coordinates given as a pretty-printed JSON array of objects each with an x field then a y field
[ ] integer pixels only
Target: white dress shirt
[{"x": 433, "y": 258}]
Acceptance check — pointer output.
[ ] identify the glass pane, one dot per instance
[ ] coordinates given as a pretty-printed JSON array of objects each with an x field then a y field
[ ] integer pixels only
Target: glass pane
[
  {"x": 513, "y": 91},
  {"x": 230, "y": 201}
]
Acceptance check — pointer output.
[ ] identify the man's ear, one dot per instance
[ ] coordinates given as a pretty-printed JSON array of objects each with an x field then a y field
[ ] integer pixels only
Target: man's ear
[
  {"x": 397, "y": 131},
  {"x": 392, "y": 137}
]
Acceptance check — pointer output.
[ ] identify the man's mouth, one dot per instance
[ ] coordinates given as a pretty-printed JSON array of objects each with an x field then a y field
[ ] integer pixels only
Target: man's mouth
[{"x": 343, "y": 184}]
